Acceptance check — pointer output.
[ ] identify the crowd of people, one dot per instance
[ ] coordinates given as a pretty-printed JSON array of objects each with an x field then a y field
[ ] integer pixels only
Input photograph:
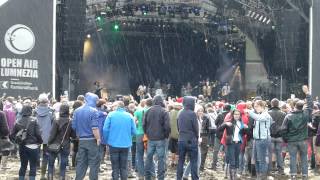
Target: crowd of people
[{"x": 251, "y": 138}]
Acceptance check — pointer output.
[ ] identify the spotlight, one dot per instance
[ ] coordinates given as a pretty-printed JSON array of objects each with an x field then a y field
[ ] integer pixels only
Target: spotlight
[
  {"x": 206, "y": 40},
  {"x": 260, "y": 19},
  {"x": 249, "y": 13},
  {"x": 268, "y": 21},
  {"x": 98, "y": 18},
  {"x": 88, "y": 36},
  {"x": 253, "y": 13},
  {"x": 264, "y": 20}
]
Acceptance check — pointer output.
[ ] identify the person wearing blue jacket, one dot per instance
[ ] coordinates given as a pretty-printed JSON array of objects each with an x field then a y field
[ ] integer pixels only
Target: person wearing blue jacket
[
  {"x": 86, "y": 125},
  {"x": 262, "y": 138},
  {"x": 102, "y": 115},
  {"x": 118, "y": 130}
]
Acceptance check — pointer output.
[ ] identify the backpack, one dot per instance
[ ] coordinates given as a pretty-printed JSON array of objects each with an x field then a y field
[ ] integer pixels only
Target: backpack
[
  {"x": 22, "y": 134},
  {"x": 275, "y": 130}
]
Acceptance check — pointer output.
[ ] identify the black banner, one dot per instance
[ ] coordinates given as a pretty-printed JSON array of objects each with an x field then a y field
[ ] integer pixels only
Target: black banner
[{"x": 27, "y": 49}]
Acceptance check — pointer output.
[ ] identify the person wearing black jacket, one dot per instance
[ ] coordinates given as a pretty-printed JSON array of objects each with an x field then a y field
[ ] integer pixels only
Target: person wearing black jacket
[
  {"x": 217, "y": 141},
  {"x": 276, "y": 139},
  {"x": 204, "y": 132},
  {"x": 29, "y": 148},
  {"x": 4, "y": 133},
  {"x": 60, "y": 134},
  {"x": 156, "y": 125},
  {"x": 315, "y": 130},
  {"x": 188, "y": 128},
  {"x": 234, "y": 131}
]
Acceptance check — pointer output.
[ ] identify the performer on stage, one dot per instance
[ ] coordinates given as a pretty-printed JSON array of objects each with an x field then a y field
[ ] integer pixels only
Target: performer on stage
[
  {"x": 98, "y": 89},
  {"x": 225, "y": 91}
]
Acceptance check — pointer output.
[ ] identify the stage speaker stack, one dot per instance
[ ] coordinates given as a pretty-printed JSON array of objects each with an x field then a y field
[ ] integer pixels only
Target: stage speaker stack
[{"x": 71, "y": 18}]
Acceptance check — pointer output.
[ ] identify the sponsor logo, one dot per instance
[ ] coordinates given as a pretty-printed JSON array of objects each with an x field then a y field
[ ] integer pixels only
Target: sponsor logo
[
  {"x": 19, "y": 39},
  {"x": 4, "y": 85}
]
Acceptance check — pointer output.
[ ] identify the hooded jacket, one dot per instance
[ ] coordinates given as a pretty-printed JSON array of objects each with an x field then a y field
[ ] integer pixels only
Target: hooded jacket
[
  {"x": 45, "y": 119},
  {"x": 85, "y": 118},
  {"x": 60, "y": 127},
  {"x": 156, "y": 122},
  {"x": 188, "y": 125},
  {"x": 33, "y": 130}
]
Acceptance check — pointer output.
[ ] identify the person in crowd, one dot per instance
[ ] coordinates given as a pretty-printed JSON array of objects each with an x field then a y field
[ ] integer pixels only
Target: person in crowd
[
  {"x": 118, "y": 132},
  {"x": 131, "y": 108},
  {"x": 316, "y": 127},
  {"x": 241, "y": 106},
  {"x": 45, "y": 119},
  {"x": 262, "y": 139},
  {"x": 81, "y": 98},
  {"x": 10, "y": 112},
  {"x": 18, "y": 107},
  {"x": 75, "y": 141},
  {"x": 156, "y": 125},
  {"x": 60, "y": 133},
  {"x": 204, "y": 132},
  {"x": 173, "y": 141},
  {"x": 212, "y": 115},
  {"x": 203, "y": 124},
  {"x": 28, "y": 147},
  {"x": 217, "y": 141},
  {"x": 86, "y": 125},
  {"x": 233, "y": 139},
  {"x": 276, "y": 138},
  {"x": 295, "y": 129},
  {"x": 145, "y": 104},
  {"x": 4, "y": 133},
  {"x": 188, "y": 128},
  {"x": 102, "y": 115}
]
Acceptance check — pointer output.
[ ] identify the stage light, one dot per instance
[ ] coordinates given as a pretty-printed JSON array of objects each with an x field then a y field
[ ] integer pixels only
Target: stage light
[
  {"x": 249, "y": 13},
  {"x": 264, "y": 20},
  {"x": 253, "y": 13},
  {"x": 206, "y": 40},
  {"x": 116, "y": 27},
  {"x": 260, "y": 19},
  {"x": 98, "y": 18},
  {"x": 88, "y": 36},
  {"x": 268, "y": 21}
]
